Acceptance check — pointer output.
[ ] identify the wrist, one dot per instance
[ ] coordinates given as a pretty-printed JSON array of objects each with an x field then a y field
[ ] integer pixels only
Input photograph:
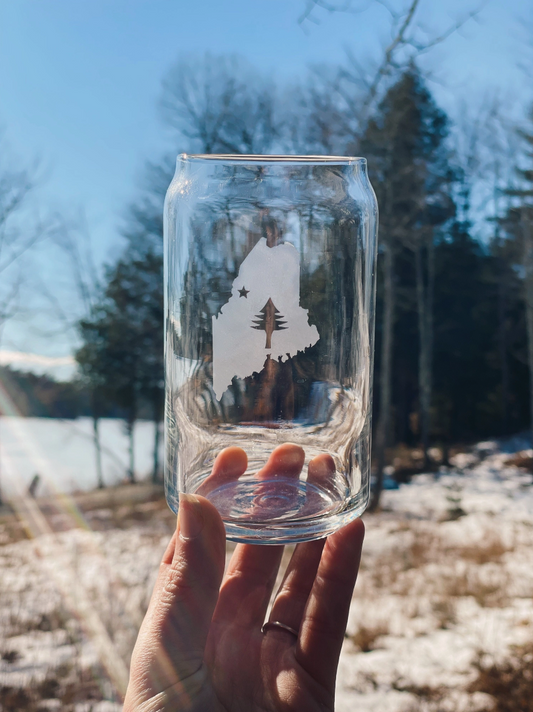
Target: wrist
[{"x": 193, "y": 694}]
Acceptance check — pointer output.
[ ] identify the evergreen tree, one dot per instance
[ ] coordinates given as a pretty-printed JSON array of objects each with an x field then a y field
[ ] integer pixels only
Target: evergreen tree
[
  {"x": 144, "y": 233},
  {"x": 410, "y": 170},
  {"x": 466, "y": 370},
  {"x": 269, "y": 320},
  {"x": 518, "y": 223},
  {"x": 122, "y": 348}
]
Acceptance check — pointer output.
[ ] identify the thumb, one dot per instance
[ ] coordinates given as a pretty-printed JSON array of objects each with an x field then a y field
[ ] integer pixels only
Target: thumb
[{"x": 171, "y": 643}]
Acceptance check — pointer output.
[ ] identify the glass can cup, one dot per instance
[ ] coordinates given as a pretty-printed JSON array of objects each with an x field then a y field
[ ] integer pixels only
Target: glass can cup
[{"x": 270, "y": 296}]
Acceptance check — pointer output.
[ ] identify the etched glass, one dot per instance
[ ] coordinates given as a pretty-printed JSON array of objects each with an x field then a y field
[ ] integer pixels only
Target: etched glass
[{"x": 270, "y": 290}]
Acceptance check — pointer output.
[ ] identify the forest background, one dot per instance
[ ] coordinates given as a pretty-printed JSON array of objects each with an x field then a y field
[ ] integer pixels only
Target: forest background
[{"x": 454, "y": 318}]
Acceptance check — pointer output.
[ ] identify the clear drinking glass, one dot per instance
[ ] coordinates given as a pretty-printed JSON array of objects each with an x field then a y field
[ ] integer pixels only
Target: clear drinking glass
[{"x": 270, "y": 291}]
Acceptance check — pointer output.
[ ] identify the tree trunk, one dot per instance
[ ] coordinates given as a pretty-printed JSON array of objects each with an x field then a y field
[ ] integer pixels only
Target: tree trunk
[
  {"x": 502, "y": 339},
  {"x": 529, "y": 314},
  {"x": 502, "y": 306},
  {"x": 385, "y": 375},
  {"x": 1, "y": 475},
  {"x": 424, "y": 294},
  {"x": 98, "y": 451},
  {"x": 527, "y": 229},
  {"x": 130, "y": 425},
  {"x": 157, "y": 436}
]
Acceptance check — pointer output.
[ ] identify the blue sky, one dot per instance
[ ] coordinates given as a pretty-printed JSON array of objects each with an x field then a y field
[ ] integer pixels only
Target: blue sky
[{"x": 79, "y": 82}]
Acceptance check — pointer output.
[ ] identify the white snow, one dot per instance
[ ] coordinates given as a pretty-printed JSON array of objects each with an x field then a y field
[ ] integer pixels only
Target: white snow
[
  {"x": 443, "y": 591},
  {"x": 434, "y": 592}
]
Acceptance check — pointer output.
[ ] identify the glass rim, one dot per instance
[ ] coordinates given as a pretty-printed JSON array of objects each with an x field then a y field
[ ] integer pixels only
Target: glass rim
[{"x": 274, "y": 158}]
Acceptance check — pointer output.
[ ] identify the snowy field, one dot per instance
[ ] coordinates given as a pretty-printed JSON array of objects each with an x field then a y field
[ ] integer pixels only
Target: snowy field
[
  {"x": 438, "y": 596},
  {"x": 445, "y": 590},
  {"x": 62, "y": 453}
]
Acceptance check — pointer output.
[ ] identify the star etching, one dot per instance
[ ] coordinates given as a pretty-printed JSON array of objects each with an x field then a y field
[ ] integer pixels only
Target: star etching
[{"x": 243, "y": 292}]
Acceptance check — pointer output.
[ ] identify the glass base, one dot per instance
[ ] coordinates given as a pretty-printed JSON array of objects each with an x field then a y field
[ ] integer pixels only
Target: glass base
[
  {"x": 281, "y": 511},
  {"x": 278, "y": 500}
]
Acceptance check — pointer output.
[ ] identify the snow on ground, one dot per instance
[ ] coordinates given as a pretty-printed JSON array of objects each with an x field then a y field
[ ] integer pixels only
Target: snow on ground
[
  {"x": 70, "y": 608},
  {"x": 435, "y": 591},
  {"x": 447, "y": 577}
]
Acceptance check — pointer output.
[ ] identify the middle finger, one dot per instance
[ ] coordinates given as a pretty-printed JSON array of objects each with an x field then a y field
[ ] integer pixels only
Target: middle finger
[{"x": 247, "y": 587}]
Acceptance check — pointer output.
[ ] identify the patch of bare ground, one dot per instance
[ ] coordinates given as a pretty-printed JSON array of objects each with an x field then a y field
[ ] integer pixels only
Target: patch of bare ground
[
  {"x": 522, "y": 459},
  {"x": 366, "y": 637},
  {"x": 427, "y": 697},
  {"x": 444, "y": 609},
  {"x": 509, "y": 682},
  {"x": 487, "y": 587},
  {"x": 447, "y": 588},
  {"x": 120, "y": 507},
  {"x": 490, "y": 549},
  {"x": 60, "y": 689},
  {"x": 57, "y": 685},
  {"x": 421, "y": 559},
  {"x": 109, "y": 508}
]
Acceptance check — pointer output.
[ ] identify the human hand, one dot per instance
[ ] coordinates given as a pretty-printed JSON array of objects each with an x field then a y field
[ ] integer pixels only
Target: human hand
[{"x": 201, "y": 647}]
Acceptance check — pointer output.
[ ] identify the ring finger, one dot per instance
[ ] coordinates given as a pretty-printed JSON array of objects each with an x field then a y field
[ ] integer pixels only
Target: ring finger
[{"x": 290, "y": 601}]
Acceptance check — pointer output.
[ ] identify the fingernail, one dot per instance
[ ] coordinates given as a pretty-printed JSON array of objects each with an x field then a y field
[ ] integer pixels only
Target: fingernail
[{"x": 190, "y": 517}]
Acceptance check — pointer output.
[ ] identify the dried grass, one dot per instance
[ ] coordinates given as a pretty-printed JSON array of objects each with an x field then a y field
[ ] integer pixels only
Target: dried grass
[
  {"x": 521, "y": 459},
  {"x": 10, "y": 656},
  {"x": 490, "y": 550},
  {"x": 470, "y": 570},
  {"x": 421, "y": 551},
  {"x": 509, "y": 683},
  {"x": 488, "y": 591},
  {"x": 366, "y": 636},
  {"x": 386, "y": 569},
  {"x": 445, "y": 611},
  {"x": 70, "y": 685},
  {"x": 422, "y": 692}
]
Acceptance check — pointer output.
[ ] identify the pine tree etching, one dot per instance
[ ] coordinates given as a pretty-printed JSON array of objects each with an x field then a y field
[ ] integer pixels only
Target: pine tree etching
[{"x": 269, "y": 320}]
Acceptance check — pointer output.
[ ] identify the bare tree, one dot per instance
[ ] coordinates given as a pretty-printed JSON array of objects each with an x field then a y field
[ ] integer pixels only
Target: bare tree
[
  {"x": 19, "y": 232},
  {"x": 143, "y": 229},
  {"x": 526, "y": 223},
  {"x": 74, "y": 241},
  {"x": 210, "y": 106},
  {"x": 359, "y": 85},
  {"x": 485, "y": 145},
  {"x": 318, "y": 115},
  {"x": 357, "y": 91},
  {"x": 487, "y": 155},
  {"x": 219, "y": 104}
]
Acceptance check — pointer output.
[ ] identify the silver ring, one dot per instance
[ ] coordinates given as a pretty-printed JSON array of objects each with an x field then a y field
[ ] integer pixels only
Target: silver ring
[{"x": 276, "y": 624}]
